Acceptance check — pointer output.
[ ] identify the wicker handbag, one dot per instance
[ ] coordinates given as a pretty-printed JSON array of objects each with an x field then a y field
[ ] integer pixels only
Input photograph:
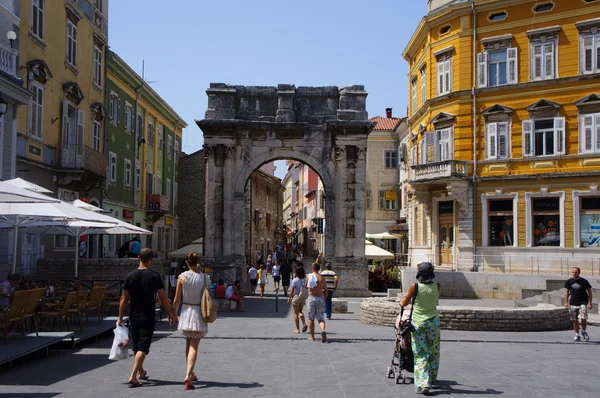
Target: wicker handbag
[{"x": 208, "y": 307}]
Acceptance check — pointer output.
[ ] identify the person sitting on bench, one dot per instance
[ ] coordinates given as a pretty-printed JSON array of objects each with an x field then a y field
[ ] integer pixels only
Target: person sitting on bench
[
  {"x": 233, "y": 294},
  {"x": 220, "y": 290}
]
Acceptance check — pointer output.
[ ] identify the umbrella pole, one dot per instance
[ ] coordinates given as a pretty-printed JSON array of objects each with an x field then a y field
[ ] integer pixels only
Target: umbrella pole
[
  {"x": 15, "y": 237},
  {"x": 76, "y": 252}
]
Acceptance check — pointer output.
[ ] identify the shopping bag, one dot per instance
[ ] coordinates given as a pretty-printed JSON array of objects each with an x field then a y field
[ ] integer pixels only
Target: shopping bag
[{"x": 120, "y": 342}]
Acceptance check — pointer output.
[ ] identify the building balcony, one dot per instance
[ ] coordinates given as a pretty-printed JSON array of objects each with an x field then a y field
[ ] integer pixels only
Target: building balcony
[
  {"x": 83, "y": 158},
  {"x": 431, "y": 172},
  {"x": 156, "y": 203},
  {"x": 8, "y": 60}
]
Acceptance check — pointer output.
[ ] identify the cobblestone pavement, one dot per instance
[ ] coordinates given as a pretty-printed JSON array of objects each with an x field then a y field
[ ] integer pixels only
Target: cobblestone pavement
[{"x": 255, "y": 354}]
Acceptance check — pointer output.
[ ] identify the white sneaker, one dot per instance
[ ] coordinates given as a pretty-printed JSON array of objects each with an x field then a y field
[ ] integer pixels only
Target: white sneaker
[
  {"x": 576, "y": 338},
  {"x": 585, "y": 335}
]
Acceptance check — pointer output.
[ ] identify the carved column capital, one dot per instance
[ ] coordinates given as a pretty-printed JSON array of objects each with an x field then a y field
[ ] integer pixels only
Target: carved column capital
[
  {"x": 421, "y": 197},
  {"x": 339, "y": 153},
  {"x": 209, "y": 151},
  {"x": 229, "y": 151},
  {"x": 361, "y": 153},
  {"x": 247, "y": 155}
]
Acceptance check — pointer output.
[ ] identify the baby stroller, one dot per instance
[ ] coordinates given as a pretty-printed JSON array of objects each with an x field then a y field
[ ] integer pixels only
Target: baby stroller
[{"x": 403, "y": 359}]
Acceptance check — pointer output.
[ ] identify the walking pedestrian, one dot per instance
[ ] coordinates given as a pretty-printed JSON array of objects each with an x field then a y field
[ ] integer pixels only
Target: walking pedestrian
[
  {"x": 317, "y": 293},
  {"x": 140, "y": 287},
  {"x": 276, "y": 277},
  {"x": 332, "y": 282},
  {"x": 285, "y": 272},
  {"x": 580, "y": 291},
  {"x": 262, "y": 279},
  {"x": 297, "y": 297},
  {"x": 426, "y": 321},
  {"x": 253, "y": 276},
  {"x": 190, "y": 286}
]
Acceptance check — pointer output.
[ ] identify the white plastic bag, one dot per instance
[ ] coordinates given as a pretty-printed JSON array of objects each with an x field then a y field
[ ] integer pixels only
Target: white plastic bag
[{"x": 120, "y": 342}]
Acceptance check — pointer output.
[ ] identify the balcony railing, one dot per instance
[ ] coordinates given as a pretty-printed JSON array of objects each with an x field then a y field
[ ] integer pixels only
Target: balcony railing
[
  {"x": 439, "y": 170},
  {"x": 8, "y": 60},
  {"x": 157, "y": 203},
  {"x": 81, "y": 157}
]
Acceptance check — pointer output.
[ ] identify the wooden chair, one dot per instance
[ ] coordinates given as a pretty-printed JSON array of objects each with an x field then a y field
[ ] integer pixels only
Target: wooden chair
[
  {"x": 62, "y": 314},
  {"x": 94, "y": 302},
  {"x": 13, "y": 313},
  {"x": 32, "y": 304},
  {"x": 76, "y": 310}
]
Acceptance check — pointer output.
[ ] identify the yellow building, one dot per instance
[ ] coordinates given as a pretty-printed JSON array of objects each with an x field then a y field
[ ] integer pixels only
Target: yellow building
[
  {"x": 504, "y": 113},
  {"x": 61, "y": 136}
]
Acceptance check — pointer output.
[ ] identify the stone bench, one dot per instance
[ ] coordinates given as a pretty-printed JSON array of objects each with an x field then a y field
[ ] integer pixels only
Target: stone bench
[
  {"x": 339, "y": 306},
  {"x": 225, "y": 304},
  {"x": 393, "y": 293}
]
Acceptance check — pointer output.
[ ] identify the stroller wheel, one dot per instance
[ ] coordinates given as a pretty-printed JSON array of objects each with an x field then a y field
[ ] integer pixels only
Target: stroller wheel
[{"x": 390, "y": 372}]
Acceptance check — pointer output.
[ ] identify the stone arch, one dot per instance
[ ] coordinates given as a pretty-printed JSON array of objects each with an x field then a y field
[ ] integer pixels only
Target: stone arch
[{"x": 325, "y": 128}]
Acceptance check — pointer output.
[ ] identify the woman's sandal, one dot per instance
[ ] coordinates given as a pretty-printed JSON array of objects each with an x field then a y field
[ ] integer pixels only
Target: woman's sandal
[
  {"x": 296, "y": 331},
  {"x": 304, "y": 328},
  {"x": 145, "y": 376},
  {"x": 194, "y": 377},
  {"x": 133, "y": 384},
  {"x": 189, "y": 385}
]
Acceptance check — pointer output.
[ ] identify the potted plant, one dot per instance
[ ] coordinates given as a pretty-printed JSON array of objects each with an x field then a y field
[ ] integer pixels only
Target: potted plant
[{"x": 393, "y": 278}]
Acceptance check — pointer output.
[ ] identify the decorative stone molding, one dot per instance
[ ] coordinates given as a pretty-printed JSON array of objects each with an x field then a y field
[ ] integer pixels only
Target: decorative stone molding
[
  {"x": 460, "y": 192},
  {"x": 247, "y": 155},
  {"x": 229, "y": 151},
  {"x": 339, "y": 153},
  {"x": 421, "y": 197},
  {"x": 209, "y": 151},
  {"x": 529, "y": 213},
  {"x": 484, "y": 215},
  {"x": 362, "y": 153}
]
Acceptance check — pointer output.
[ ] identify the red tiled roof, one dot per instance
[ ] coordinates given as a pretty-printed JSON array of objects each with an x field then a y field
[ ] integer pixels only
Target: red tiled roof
[{"x": 384, "y": 123}]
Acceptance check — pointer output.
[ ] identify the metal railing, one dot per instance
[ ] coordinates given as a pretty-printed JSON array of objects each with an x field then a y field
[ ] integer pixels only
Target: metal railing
[{"x": 508, "y": 263}]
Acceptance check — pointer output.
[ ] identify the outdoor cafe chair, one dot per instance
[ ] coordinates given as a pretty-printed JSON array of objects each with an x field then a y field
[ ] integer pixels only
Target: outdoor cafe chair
[
  {"x": 32, "y": 304},
  {"x": 61, "y": 313},
  {"x": 94, "y": 302},
  {"x": 14, "y": 311}
]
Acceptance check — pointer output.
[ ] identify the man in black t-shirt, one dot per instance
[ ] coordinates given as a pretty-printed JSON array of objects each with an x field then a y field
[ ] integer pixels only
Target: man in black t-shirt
[
  {"x": 581, "y": 300},
  {"x": 140, "y": 288}
]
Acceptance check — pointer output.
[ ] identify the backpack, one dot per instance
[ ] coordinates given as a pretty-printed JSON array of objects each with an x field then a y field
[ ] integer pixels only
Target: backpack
[
  {"x": 208, "y": 307},
  {"x": 304, "y": 290}
]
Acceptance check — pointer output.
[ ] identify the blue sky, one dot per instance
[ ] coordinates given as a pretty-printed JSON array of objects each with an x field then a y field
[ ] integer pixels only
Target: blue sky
[{"x": 191, "y": 43}]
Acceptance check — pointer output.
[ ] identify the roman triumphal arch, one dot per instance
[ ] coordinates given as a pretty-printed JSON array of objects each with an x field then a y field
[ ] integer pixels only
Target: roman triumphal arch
[{"x": 323, "y": 127}]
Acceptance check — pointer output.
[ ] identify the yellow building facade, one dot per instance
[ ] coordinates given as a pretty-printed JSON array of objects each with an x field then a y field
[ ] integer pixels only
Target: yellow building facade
[
  {"x": 504, "y": 149},
  {"x": 60, "y": 143}
]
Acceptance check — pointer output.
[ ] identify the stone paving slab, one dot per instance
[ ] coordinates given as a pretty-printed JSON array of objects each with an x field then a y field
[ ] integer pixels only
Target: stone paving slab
[{"x": 254, "y": 354}]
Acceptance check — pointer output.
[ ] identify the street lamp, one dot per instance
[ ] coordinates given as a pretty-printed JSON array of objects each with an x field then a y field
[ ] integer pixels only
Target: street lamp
[{"x": 11, "y": 36}]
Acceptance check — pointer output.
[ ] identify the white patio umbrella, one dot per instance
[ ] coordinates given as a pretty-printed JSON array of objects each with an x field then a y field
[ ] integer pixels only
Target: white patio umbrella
[
  {"x": 195, "y": 246},
  {"x": 382, "y": 235},
  {"x": 372, "y": 252},
  {"x": 21, "y": 183},
  {"x": 84, "y": 205},
  {"x": 12, "y": 194}
]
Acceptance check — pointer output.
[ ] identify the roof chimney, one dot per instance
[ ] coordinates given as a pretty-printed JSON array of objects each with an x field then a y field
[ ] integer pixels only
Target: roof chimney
[{"x": 388, "y": 113}]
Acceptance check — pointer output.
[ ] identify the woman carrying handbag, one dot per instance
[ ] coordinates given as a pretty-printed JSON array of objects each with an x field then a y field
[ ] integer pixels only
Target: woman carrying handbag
[{"x": 190, "y": 287}]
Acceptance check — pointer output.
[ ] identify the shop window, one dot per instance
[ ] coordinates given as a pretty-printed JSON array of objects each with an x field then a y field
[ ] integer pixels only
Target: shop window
[
  {"x": 589, "y": 222},
  {"x": 546, "y": 221},
  {"x": 500, "y": 222}
]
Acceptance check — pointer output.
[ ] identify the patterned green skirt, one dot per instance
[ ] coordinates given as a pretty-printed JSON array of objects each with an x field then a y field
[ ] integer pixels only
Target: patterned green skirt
[{"x": 426, "y": 349}]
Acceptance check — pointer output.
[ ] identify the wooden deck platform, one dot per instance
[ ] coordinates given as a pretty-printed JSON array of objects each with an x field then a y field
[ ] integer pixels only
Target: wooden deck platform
[{"x": 17, "y": 347}]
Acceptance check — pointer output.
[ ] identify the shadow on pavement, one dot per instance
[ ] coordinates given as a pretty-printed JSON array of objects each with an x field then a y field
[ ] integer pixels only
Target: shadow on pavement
[
  {"x": 260, "y": 307},
  {"x": 218, "y": 384},
  {"x": 31, "y": 395},
  {"x": 443, "y": 387}
]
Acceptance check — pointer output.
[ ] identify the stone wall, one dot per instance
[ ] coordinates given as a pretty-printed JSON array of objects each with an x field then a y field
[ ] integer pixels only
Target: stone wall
[
  {"x": 191, "y": 198},
  {"x": 486, "y": 285},
  {"x": 383, "y": 312}
]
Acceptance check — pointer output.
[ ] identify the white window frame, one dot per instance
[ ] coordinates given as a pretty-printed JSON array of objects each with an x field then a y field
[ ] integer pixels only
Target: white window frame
[
  {"x": 169, "y": 187},
  {"x": 128, "y": 117},
  {"x": 543, "y": 55},
  {"x": 444, "y": 149},
  {"x": 127, "y": 173},
  {"x": 161, "y": 137},
  {"x": 529, "y": 213},
  {"x": 589, "y": 131},
  {"x": 176, "y": 150},
  {"x": 37, "y": 18},
  {"x": 138, "y": 177},
  {"x": 114, "y": 108},
  {"x": 385, "y": 204},
  {"x": 71, "y": 53},
  {"x": 444, "y": 76},
  {"x": 414, "y": 95},
  {"x": 485, "y": 229},
  {"x": 96, "y": 129},
  {"x": 594, "y": 48},
  {"x": 157, "y": 187},
  {"x": 593, "y": 192},
  {"x": 169, "y": 146},
  {"x": 112, "y": 167},
  {"x": 493, "y": 140},
  {"x": 393, "y": 157},
  {"x": 36, "y": 111},
  {"x": 423, "y": 85},
  {"x": 528, "y": 129},
  {"x": 97, "y": 66},
  {"x": 512, "y": 68},
  {"x": 175, "y": 194}
]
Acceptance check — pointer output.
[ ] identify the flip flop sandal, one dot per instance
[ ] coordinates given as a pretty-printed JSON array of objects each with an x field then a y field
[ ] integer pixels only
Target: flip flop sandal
[
  {"x": 304, "y": 328},
  {"x": 189, "y": 385},
  {"x": 194, "y": 377},
  {"x": 145, "y": 376},
  {"x": 324, "y": 337},
  {"x": 133, "y": 384}
]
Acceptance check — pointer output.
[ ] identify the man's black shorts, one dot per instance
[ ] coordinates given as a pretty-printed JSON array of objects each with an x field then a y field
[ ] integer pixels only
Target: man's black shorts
[
  {"x": 253, "y": 282},
  {"x": 141, "y": 335}
]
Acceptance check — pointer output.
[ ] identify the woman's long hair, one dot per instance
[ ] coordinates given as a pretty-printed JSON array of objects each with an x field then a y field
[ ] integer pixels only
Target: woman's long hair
[
  {"x": 192, "y": 261},
  {"x": 300, "y": 273}
]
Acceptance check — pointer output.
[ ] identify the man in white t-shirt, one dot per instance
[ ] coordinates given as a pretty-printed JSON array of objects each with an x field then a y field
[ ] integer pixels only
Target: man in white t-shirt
[
  {"x": 276, "y": 276},
  {"x": 253, "y": 276}
]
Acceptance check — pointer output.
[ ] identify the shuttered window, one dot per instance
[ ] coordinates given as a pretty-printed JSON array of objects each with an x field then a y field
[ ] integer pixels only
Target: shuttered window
[
  {"x": 97, "y": 66},
  {"x": 37, "y": 18},
  {"x": 544, "y": 137},
  {"x": 590, "y": 53},
  {"x": 71, "y": 43},
  {"x": 36, "y": 110},
  {"x": 497, "y": 141},
  {"x": 543, "y": 56},
  {"x": 96, "y": 135},
  {"x": 497, "y": 68},
  {"x": 444, "y": 76},
  {"x": 589, "y": 133}
]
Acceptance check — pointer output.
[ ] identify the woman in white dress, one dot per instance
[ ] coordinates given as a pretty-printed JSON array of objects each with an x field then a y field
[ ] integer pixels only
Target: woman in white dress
[{"x": 190, "y": 286}]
